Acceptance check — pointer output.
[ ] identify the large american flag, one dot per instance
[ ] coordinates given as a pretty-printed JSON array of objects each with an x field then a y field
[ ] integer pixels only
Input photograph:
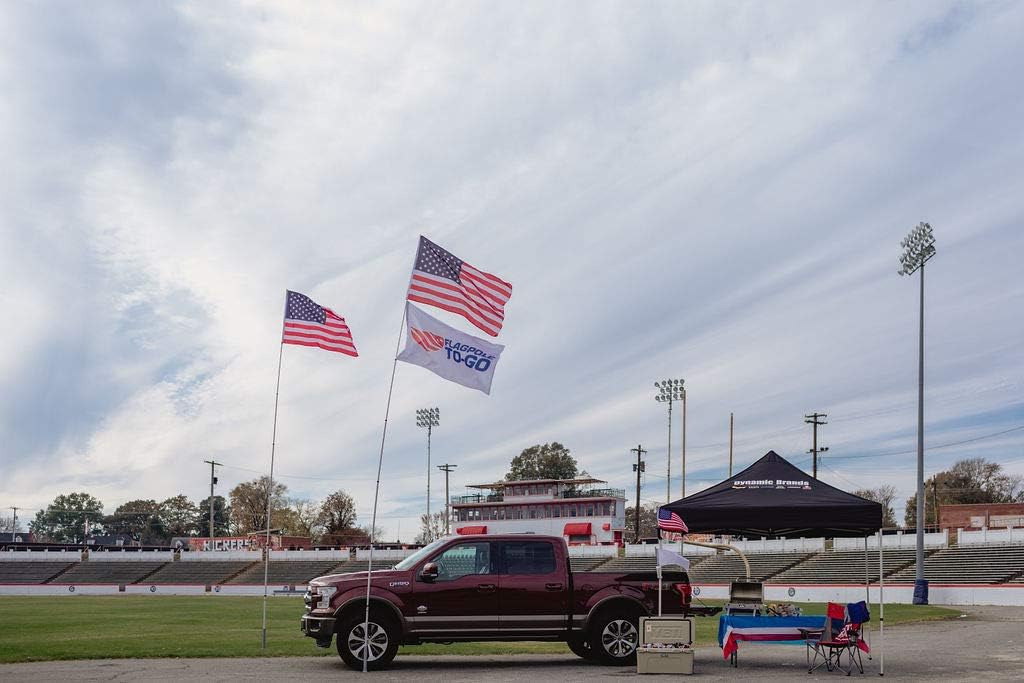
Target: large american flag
[
  {"x": 441, "y": 279},
  {"x": 670, "y": 521},
  {"x": 307, "y": 323}
]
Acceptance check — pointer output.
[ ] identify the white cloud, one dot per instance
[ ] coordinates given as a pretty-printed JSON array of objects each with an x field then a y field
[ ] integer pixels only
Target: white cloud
[{"x": 714, "y": 192}]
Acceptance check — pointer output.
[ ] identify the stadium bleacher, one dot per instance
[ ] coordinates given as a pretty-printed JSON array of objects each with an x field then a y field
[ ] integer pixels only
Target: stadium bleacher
[
  {"x": 32, "y": 572},
  {"x": 586, "y": 564},
  {"x": 729, "y": 567},
  {"x": 971, "y": 564},
  {"x": 109, "y": 572},
  {"x": 847, "y": 566},
  {"x": 288, "y": 572},
  {"x": 202, "y": 573}
]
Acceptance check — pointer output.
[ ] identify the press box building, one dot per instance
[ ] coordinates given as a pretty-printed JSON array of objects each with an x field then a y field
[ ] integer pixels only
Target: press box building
[{"x": 578, "y": 509}]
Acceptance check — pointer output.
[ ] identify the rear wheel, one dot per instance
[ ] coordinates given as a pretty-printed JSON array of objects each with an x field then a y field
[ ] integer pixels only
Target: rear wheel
[
  {"x": 615, "y": 636},
  {"x": 376, "y": 640}
]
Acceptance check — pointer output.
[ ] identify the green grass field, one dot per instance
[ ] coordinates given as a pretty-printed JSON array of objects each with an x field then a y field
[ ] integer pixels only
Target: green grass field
[{"x": 100, "y": 627}]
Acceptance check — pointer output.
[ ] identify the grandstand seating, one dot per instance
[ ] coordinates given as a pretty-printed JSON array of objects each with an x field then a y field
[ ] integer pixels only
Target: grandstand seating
[
  {"x": 31, "y": 572},
  {"x": 202, "y": 573},
  {"x": 109, "y": 572},
  {"x": 847, "y": 566},
  {"x": 970, "y": 564},
  {"x": 586, "y": 564},
  {"x": 287, "y": 572},
  {"x": 728, "y": 566}
]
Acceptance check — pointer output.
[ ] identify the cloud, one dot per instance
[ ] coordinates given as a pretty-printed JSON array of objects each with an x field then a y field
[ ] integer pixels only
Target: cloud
[{"x": 709, "y": 192}]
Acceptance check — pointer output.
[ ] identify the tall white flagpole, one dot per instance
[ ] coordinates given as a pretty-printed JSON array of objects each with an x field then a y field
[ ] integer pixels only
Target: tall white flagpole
[
  {"x": 270, "y": 489},
  {"x": 376, "y": 495},
  {"x": 659, "y": 572}
]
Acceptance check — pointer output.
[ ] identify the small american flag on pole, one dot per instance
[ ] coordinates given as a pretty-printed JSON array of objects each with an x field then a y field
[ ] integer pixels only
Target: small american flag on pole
[
  {"x": 307, "y": 323},
  {"x": 670, "y": 521},
  {"x": 441, "y": 279}
]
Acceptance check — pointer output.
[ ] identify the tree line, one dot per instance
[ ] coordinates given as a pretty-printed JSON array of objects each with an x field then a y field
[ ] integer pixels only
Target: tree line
[{"x": 331, "y": 521}]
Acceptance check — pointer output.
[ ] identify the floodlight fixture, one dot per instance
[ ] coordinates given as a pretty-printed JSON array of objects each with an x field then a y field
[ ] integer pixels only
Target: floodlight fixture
[{"x": 670, "y": 390}]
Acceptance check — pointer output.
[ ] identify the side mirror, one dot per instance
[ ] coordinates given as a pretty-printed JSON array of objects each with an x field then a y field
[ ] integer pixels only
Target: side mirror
[{"x": 430, "y": 572}]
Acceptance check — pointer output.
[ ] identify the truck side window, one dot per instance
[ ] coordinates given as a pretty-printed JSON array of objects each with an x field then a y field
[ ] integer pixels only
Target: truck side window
[
  {"x": 528, "y": 557},
  {"x": 464, "y": 559}
]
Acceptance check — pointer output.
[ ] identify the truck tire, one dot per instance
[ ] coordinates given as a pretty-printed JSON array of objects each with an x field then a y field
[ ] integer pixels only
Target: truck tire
[
  {"x": 580, "y": 647},
  {"x": 614, "y": 636},
  {"x": 383, "y": 640}
]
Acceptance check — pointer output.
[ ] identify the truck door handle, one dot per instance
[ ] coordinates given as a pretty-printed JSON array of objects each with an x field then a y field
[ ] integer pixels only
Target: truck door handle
[
  {"x": 553, "y": 586},
  {"x": 485, "y": 587}
]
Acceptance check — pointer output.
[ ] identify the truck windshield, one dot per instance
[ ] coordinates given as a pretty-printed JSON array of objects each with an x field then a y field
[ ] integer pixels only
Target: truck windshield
[{"x": 423, "y": 552}]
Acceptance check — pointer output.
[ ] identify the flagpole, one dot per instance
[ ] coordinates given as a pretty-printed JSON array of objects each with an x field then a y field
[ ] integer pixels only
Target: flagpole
[
  {"x": 376, "y": 494},
  {"x": 270, "y": 491},
  {"x": 658, "y": 552}
]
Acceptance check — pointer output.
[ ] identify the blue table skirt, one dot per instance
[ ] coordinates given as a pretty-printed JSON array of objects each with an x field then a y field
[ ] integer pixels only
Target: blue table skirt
[{"x": 725, "y": 621}]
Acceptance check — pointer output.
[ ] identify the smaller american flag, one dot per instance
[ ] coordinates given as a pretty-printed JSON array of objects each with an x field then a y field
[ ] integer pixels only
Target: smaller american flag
[
  {"x": 670, "y": 521},
  {"x": 307, "y": 323}
]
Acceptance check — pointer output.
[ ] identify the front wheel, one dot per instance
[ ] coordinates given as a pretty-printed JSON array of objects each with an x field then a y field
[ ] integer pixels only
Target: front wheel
[
  {"x": 580, "y": 647},
  {"x": 376, "y": 641},
  {"x": 614, "y": 638}
]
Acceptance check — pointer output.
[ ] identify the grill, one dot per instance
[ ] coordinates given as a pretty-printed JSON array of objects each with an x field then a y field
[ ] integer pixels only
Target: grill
[{"x": 745, "y": 597}]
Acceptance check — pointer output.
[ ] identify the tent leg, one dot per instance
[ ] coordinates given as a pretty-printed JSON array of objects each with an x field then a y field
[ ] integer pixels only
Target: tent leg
[
  {"x": 867, "y": 592},
  {"x": 881, "y": 608}
]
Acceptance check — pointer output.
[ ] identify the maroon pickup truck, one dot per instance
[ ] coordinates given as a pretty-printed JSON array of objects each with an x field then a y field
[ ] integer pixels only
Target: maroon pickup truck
[{"x": 471, "y": 588}]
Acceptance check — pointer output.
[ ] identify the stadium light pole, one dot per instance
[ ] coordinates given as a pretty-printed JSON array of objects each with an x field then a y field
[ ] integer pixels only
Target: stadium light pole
[
  {"x": 429, "y": 418},
  {"x": 670, "y": 390},
  {"x": 918, "y": 248}
]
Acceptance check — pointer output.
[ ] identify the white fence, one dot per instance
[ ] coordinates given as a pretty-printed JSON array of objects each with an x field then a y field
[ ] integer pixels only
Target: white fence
[
  {"x": 120, "y": 556},
  {"x": 937, "y": 539},
  {"x": 215, "y": 555},
  {"x": 986, "y": 535},
  {"x": 780, "y": 545},
  {"x": 649, "y": 549},
  {"x": 312, "y": 555},
  {"x": 41, "y": 556},
  {"x": 593, "y": 551},
  {"x": 384, "y": 554}
]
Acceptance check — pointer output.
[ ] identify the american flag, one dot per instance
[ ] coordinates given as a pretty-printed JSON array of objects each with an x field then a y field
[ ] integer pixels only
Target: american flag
[
  {"x": 307, "y": 323},
  {"x": 670, "y": 521},
  {"x": 441, "y": 279},
  {"x": 428, "y": 340}
]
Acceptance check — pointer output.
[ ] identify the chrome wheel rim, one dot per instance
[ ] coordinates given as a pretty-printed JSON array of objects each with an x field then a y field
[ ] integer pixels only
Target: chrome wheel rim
[
  {"x": 619, "y": 638},
  {"x": 377, "y": 642}
]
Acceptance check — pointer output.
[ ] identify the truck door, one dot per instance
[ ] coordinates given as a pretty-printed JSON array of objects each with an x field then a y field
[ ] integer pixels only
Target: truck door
[
  {"x": 533, "y": 588},
  {"x": 464, "y": 596}
]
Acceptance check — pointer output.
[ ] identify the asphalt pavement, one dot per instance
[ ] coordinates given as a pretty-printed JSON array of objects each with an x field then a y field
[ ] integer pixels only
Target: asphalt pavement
[{"x": 987, "y": 643}]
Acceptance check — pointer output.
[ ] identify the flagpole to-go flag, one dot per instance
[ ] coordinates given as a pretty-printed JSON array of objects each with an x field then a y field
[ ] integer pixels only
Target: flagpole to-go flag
[
  {"x": 376, "y": 490},
  {"x": 270, "y": 488}
]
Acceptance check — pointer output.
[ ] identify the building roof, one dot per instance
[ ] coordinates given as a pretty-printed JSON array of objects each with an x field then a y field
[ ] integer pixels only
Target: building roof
[{"x": 521, "y": 482}]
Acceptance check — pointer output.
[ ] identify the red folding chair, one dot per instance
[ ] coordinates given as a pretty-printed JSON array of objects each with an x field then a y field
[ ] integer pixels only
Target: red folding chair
[{"x": 840, "y": 636}]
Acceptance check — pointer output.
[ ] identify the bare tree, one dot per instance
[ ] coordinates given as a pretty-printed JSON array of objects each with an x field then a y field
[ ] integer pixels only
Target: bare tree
[
  {"x": 431, "y": 527},
  {"x": 885, "y": 495}
]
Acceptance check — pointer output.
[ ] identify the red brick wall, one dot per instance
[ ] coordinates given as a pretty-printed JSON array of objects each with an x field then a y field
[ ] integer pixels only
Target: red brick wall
[{"x": 977, "y": 515}]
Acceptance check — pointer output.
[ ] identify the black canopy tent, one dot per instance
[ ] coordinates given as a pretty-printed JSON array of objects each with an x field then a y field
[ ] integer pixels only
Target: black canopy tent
[{"x": 773, "y": 497}]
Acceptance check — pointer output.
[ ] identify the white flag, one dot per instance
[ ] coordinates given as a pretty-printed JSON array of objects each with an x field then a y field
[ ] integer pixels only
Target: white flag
[
  {"x": 669, "y": 557},
  {"x": 448, "y": 353}
]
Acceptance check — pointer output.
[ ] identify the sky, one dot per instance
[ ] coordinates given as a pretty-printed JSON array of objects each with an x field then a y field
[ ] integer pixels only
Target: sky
[{"x": 708, "y": 191}]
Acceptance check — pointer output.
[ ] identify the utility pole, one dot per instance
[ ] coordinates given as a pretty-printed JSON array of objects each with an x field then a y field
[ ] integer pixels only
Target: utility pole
[
  {"x": 638, "y": 468},
  {"x": 14, "y": 528},
  {"x": 815, "y": 419},
  {"x": 447, "y": 469},
  {"x": 213, "y": 480},
  {"x": 730, "y": 444}
]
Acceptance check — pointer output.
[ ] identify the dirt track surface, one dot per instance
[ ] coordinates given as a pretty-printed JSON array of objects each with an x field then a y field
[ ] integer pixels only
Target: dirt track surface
[{"x": 986, "y": 644}]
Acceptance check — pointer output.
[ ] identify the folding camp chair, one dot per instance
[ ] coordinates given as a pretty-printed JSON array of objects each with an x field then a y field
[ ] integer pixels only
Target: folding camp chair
[{"x": 841, "y": 635}]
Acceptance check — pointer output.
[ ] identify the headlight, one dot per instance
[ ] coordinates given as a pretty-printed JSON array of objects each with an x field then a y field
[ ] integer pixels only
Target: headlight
[{"x": 325, "y": 593}]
